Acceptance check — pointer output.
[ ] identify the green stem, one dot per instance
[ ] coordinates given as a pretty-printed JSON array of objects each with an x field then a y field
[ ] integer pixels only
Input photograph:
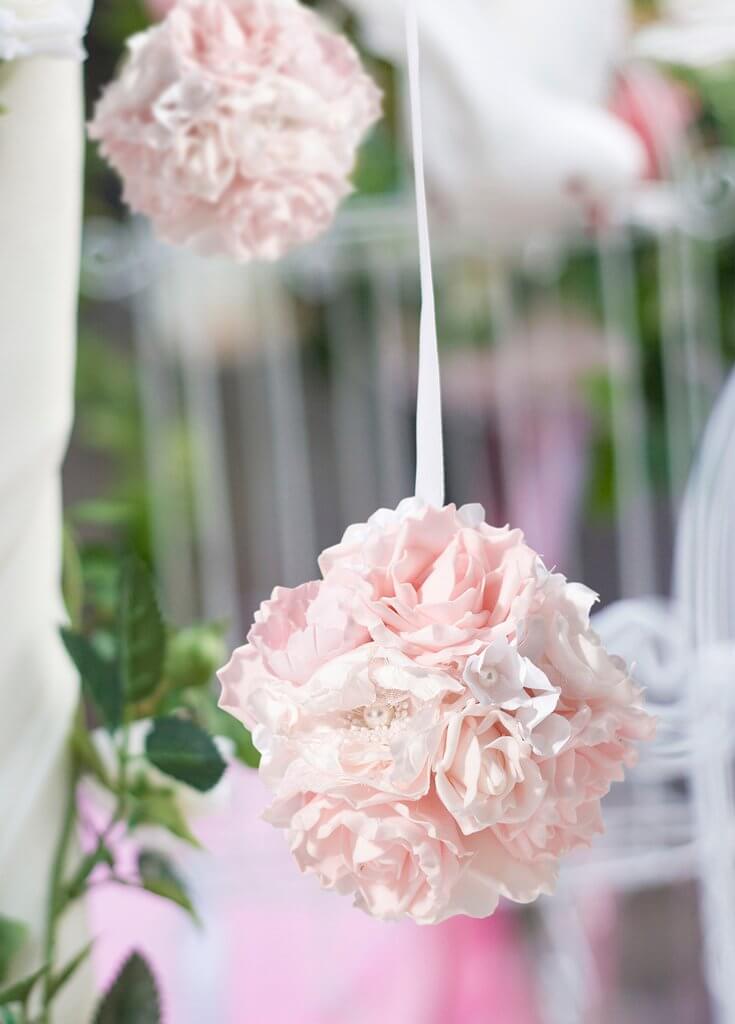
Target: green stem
[
  {"x": 73, "y": 889},
  {"x": 123, "y": 755},
  {"x": 54, "y": 894},
  {"x": 60, "y": 894}
]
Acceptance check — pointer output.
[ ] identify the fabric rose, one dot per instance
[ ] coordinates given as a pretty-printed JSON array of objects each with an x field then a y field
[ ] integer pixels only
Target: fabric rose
[
  {"x": 438, "y": 584},
  {"x": 49, "y": 28},
  {"x": 396, "y": 859},
  {"x": 437, "y": 720},
  {"x": 294, "y": 633},
  {"x": 235, "y": 125},
  {"x": 485, "y": 773},
  {"x": 299, "y": 630}
]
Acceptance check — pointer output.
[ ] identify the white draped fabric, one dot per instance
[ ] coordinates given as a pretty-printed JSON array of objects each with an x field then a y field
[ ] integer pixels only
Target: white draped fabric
[
  {"x": 40, "y": 200},
  {"x": 49, "y": 28}
]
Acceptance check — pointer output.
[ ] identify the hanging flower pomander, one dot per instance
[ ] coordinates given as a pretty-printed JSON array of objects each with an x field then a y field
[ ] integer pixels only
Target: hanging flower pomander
[
  {"x": 235, "y": 125},
  {"x": 437, "y": 719}
]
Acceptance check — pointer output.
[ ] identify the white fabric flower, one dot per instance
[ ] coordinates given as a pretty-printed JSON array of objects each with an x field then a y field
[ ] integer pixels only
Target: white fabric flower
[{"x": 50, "y": 28}]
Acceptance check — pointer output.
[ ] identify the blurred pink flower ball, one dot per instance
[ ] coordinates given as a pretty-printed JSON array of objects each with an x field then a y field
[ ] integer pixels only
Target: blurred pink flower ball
[
  {"x": 234, "y": 125},
  {"x": 438, "y": 721},
  {"x": 159, "y": 8}
]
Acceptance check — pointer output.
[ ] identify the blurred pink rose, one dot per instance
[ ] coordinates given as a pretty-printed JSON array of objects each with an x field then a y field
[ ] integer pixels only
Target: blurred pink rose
[
  {"x": 235, "y": 125},
  {"x": 660, "y": 111},
  {"x": 463, "y": 741}
]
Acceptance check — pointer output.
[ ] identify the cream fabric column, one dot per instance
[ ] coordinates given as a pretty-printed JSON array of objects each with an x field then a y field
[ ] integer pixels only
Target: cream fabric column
[{"x": 40, "y": 211}]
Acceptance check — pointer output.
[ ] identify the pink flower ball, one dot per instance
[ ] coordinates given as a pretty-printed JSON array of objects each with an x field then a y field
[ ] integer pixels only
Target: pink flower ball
[
  {"x": 235, "y": 125},
  {"x": 438, "y": 722},
  {"x": 159, "y": 8}
]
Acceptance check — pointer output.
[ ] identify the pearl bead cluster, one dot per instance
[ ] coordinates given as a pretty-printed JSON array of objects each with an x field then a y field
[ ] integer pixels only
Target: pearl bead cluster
[{"x": 383, "y": 717}]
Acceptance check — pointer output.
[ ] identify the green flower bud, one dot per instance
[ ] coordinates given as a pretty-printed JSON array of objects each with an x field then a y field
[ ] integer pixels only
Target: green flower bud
[{"x": 194, "y": 654}]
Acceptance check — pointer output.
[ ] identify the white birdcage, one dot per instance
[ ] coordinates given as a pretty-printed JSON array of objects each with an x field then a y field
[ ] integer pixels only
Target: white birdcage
[{"x": 278, "y": 406}]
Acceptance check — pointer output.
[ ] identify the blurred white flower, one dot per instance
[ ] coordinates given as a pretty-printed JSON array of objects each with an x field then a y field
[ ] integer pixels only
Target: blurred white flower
[
  {"x": 518, "y": 141},
  {"x": 51, "y": 28},
  {"x": 694, "y": 32}
]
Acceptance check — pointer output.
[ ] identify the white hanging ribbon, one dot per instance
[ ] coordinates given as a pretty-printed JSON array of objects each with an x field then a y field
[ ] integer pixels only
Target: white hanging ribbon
[{"x": 429, "y": 440}]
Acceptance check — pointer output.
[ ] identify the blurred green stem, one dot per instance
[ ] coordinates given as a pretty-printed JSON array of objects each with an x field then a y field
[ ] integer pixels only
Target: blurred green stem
[{"x": 55, "y": 889}]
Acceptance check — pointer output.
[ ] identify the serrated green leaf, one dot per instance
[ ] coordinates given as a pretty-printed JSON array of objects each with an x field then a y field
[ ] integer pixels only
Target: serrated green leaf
[
  {"x": 100, "y": 677},
  {"x": 13, "y": 935},
  {"x": 19, "y": 991},
  {"x": 158, "y": 876},
  {"x": 60, "y": 978},
  {"x": 133, "y": 997},
  {"x": 141, "y": 631},
  {"x": 184, "y": 751},
  {"x": 161, "y": 809}
]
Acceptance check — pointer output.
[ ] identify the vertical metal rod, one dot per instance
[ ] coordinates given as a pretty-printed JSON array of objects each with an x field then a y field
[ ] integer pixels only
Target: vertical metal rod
[
  {"x": 213, "y": 512},
  {"x": 155, "y": 318},
  {"x": 294, "y": 510},
  {"x": 635, "y": 526}
]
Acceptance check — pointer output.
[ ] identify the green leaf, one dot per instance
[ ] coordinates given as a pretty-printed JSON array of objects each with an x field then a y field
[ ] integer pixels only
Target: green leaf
[
  {"x": 194, "y": 655},
  {"x": 160, "y": 809},
  {"x": 183, "y": 750},
  {"x": 202, "y": 704},
  {"x": 20, "y": 990},
  {"x": 158, "y": 876},
  {"x": 13, "y": 935},
  {"x": 133, "y": 997},
  {"x": 6, "y": 1014},
  {"x": 59, "y": 979},
  {"x": 100, "y": 677},
  {"x": 101, "y": 571},
  {"x": 227, "y": 726},
  {"x": 141, "y": 630},
  {"x": 72, "y": 578},
  {"x": 76, "y": 885}
]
